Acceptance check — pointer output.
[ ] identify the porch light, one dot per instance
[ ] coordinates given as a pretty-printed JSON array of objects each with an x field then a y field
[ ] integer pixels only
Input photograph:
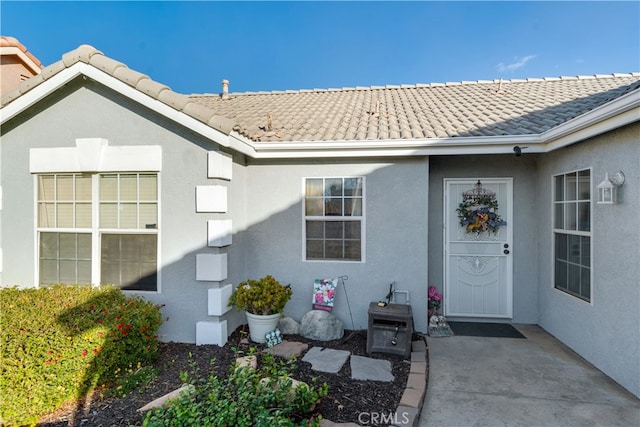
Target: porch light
[{"x": 608, "y": 189}]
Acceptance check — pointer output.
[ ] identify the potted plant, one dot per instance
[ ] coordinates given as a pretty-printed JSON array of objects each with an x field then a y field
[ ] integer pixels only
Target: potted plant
[
  {"x": 434, "y": 301},
  {"x": 263, "y": 302}
]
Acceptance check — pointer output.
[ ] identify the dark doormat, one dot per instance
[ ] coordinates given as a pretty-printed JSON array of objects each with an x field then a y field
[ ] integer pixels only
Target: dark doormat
[{"x": 477, "y": 329}]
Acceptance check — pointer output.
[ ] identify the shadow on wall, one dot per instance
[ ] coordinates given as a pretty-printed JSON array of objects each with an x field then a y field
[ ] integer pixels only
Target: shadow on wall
[{"x": 273, "y": 243}]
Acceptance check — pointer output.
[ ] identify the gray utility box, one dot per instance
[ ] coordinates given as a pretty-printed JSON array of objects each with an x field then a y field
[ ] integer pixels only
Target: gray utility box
[{"x": 390, "y": 329}]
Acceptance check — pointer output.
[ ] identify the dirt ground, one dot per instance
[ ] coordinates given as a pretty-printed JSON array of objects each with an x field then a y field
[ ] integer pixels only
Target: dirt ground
[{"x": 347, "y": 398}]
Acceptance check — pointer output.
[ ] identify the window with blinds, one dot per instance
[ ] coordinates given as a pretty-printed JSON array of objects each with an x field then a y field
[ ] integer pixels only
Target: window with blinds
[
  {"x": 98, "y": 228},
  {"x": 333, "y": 209},
  {"x": 572, "y": 233}
]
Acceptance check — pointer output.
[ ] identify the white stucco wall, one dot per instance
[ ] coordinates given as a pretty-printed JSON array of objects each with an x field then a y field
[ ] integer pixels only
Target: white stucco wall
[
  {"x": 606, "y": 331},
  {"x": 89, "y": 113},
  {"x": 395, "y": 230}
]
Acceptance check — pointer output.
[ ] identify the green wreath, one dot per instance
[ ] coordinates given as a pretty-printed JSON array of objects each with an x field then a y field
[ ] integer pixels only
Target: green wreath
[{"x": 480, "y": 214}]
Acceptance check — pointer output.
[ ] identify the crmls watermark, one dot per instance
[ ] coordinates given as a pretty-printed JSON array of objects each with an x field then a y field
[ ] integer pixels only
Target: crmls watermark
[{"x": 383, "y": 418}]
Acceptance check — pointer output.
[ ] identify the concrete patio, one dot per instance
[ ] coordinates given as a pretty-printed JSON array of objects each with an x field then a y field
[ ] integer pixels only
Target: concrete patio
[{"x": 537, "y": 381}]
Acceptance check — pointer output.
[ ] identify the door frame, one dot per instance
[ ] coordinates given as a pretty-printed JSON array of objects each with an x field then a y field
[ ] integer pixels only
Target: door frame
[{"x": 507, "y": 215}]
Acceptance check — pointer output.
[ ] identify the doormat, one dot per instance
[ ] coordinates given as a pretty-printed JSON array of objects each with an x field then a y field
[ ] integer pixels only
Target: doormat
[{"x": 476, "y": 329}]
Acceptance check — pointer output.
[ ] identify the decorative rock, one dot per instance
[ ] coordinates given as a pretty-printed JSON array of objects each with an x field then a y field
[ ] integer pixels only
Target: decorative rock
[
  {"x": 247, "y": 362},
  {"x": 161, "y": 401},
  {"x": 321, "y": 326},
  {"x": 288, "y": 326}
]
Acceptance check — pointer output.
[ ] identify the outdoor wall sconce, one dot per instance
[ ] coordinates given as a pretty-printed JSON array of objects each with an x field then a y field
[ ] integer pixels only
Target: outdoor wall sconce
[{"x": 608, "y": 189}]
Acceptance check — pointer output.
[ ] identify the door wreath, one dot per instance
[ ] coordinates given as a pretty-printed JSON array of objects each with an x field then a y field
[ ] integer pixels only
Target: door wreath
[{"x": 478, "y": 211}]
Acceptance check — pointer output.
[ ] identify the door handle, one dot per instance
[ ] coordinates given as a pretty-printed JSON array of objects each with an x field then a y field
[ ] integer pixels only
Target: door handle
[{"x": 506, "y": 252}]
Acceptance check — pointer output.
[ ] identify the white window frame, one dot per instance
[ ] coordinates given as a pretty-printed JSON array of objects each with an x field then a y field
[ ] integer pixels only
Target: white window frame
[
  {"x": 96, "y": 231},
  {"x": 326, "y": 218},
  {"x": 568, "y": 232}
]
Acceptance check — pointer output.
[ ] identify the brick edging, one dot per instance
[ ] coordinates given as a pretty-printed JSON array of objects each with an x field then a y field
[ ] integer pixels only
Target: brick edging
[{"x": 410, "y": 406}]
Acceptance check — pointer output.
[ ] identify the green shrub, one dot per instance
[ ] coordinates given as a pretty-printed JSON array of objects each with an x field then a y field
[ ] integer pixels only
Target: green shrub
[
  {"x": 263, "y": 296},
  {"x": 261, "y": 397},
  {"x": 58, "y": 343}
]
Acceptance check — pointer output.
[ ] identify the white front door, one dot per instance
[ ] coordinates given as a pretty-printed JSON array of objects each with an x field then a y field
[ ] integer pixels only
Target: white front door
[{"x": 478, "y": 265}]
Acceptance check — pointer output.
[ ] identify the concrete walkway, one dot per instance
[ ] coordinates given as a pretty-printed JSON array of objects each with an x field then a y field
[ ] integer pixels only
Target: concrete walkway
[{"x": 516, "y": 382}]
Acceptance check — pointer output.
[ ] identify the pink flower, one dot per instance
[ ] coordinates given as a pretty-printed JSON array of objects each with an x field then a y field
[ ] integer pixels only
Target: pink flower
[{"x": 433, "y": 294}]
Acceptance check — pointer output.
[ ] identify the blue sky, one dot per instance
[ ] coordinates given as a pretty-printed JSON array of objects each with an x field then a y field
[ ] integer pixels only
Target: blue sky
[{"x": 192, "y": 46}]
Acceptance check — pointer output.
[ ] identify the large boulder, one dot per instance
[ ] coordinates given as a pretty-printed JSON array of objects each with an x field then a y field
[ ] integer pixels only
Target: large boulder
[{"x": 321, "y": 326}]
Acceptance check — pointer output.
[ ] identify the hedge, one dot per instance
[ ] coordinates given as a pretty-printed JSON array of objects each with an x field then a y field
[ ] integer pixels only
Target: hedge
[{"x": 58, "y": 343}]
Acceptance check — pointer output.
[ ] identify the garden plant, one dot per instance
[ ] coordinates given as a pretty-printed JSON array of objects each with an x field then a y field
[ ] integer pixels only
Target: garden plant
[{"x": 58, "y": 343}]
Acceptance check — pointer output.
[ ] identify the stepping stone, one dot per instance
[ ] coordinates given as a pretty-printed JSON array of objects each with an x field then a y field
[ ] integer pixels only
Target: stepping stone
[
  {"x": 326, "y": 359},
  {"x": 288, "y": 349},
  {"x": 366, "y": 368}
]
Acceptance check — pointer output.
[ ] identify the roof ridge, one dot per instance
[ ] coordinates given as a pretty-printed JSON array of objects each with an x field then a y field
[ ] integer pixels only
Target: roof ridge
[{"x": 423, "y": 85}]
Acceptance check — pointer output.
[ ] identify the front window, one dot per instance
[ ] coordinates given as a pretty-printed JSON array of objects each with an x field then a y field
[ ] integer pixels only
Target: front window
[
  {"x": 572, "y": 233},
  {"x": 333, "y": 209},
  {"x": 98, "y": 228}
]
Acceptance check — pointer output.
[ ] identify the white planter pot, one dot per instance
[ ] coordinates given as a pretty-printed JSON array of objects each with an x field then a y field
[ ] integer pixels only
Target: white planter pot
[{"x": 260, "y": 324}]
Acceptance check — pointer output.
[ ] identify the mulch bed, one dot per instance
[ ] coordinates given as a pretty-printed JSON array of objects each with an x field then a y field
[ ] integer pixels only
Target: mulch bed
[{"x": 347, "y": 398}]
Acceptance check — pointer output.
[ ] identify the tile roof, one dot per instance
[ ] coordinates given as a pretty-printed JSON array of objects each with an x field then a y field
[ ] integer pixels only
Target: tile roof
[
  {"x": 89, "y": 55},
  {"x": 13, "y": 42},
  {"x": 384, "y": 113},
  {"x": 466, "y": 109}
]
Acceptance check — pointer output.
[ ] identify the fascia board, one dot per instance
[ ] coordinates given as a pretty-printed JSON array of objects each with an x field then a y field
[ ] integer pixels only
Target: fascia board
[
  {"x": 595, "y": 129},
  {"x": 38, "y": 93},
  {"x": 394, "y": 148},
  {"x": 480, "y": 145},
  {"x": 242, "y": 144},
  {"x": 617, "y": 113}
]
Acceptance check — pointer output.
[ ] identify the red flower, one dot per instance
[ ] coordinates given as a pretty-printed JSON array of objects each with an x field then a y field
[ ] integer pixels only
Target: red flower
[
  {"x": 118, "y": 317},
  {"x": 91, "y": 307},
  {"x": 84, "y": 353},
  {"x": 100, "y": 321},
  {"x": 105, "y": 311}
]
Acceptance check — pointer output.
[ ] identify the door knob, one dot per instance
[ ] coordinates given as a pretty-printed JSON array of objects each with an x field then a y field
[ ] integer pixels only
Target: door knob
[
  {"x": 506, "y": 252},
  {"x": 506, "y": 245}
]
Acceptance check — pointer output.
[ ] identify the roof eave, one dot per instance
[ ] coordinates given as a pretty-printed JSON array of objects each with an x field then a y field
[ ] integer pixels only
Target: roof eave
[
  {"x": 37, "y": 93},
  {"x": 612, "y": 115},
  {"x": 395, "y": 148},
  {"x": 26, "y": 58}
]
